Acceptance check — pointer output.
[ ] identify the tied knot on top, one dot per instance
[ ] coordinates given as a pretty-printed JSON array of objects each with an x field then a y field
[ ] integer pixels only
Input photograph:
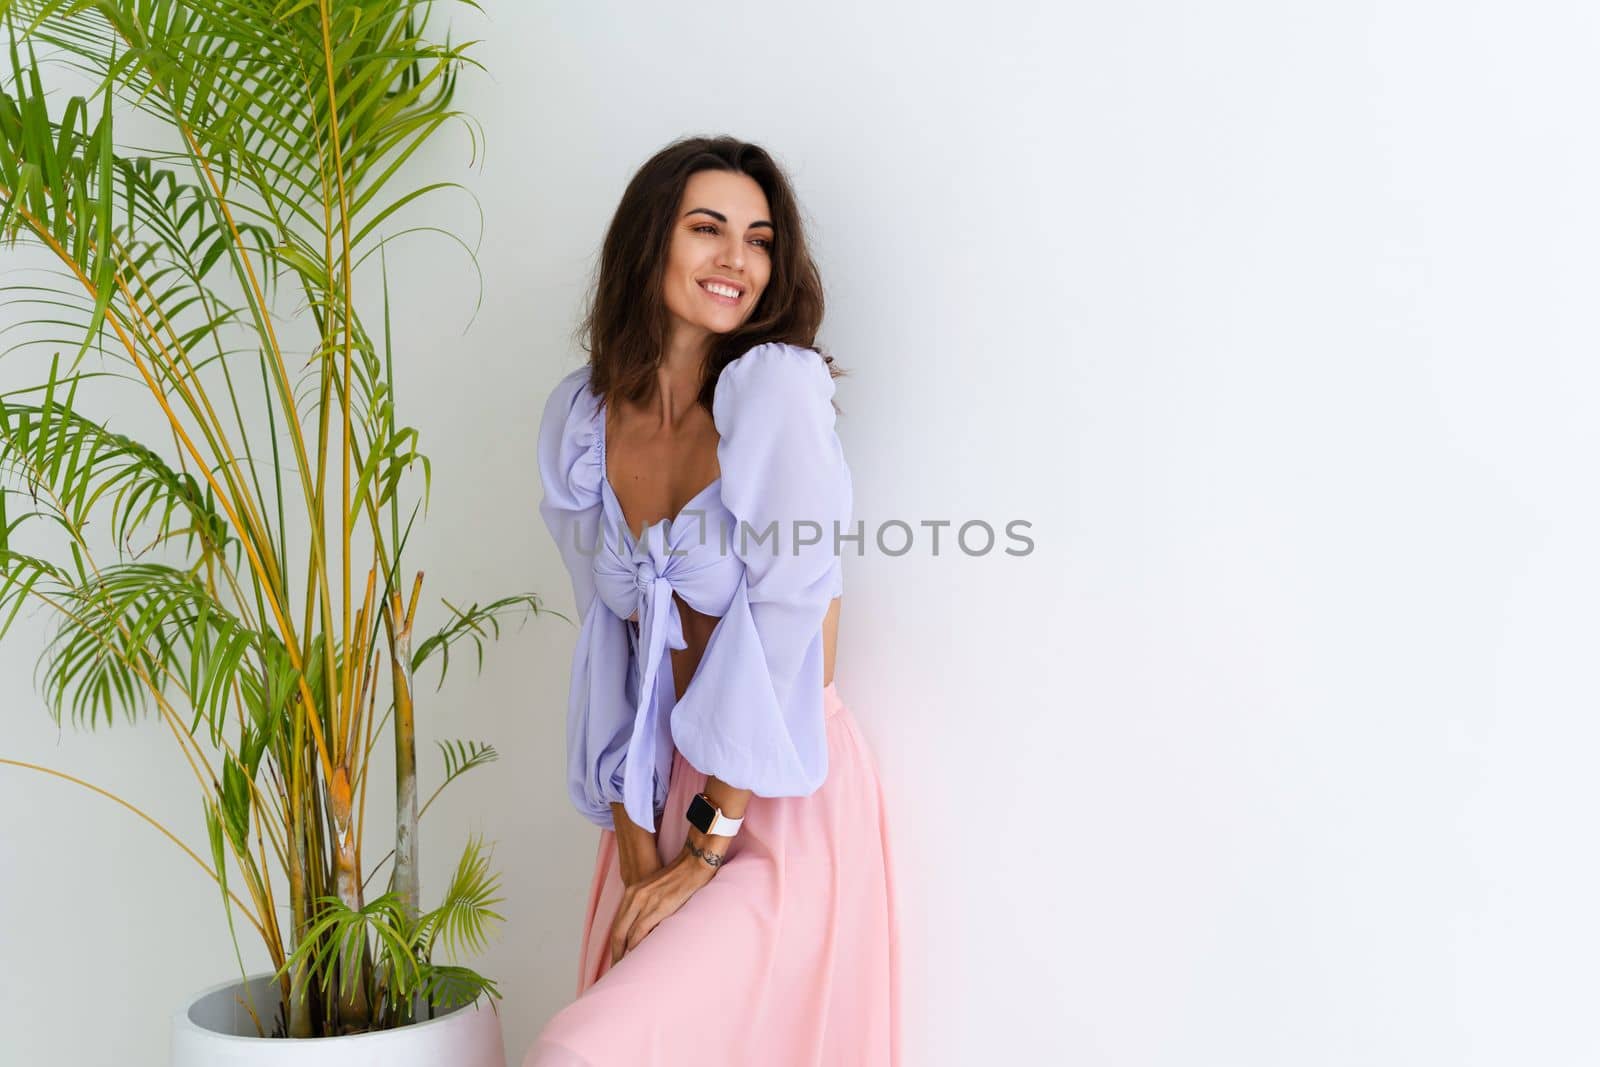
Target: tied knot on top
[
  {"x": 644, "y": 574},
  {"x": 660, "y": 628},
  {"x": 660, "y": 624}
]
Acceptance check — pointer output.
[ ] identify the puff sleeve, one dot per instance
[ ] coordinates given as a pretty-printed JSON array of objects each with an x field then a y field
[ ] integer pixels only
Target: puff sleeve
[
  {"x": 753, "y": 714},
  {"x": 600, "y": 709}
]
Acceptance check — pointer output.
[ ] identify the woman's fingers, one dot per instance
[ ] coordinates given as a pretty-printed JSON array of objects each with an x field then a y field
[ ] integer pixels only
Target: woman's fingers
[
  {"x": 634, "y": 926},
  {"x": 621, "y": 924},
  {"x": 619, "y": 942},
  {"x": 641, "y": 929},
  {"x": 644, "y": 906}
]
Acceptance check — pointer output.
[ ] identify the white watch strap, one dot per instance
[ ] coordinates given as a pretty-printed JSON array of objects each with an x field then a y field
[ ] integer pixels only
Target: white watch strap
[{"x": 722, "y": 826}]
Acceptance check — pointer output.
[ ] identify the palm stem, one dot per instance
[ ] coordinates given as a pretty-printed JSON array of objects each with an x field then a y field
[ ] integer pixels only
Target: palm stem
[{"x": 168, "y": 834}]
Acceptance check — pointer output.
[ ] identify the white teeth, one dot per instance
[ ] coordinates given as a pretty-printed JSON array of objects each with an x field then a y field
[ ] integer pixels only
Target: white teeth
[{"x": 720, "y": 290}]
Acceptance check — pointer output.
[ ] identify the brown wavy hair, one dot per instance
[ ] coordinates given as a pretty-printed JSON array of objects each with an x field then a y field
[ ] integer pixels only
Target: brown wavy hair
[{"x": 625, "y": 324}]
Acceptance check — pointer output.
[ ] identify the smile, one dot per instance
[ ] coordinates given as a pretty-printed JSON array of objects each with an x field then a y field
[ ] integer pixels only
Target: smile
[{"x": 723, "y": 294}]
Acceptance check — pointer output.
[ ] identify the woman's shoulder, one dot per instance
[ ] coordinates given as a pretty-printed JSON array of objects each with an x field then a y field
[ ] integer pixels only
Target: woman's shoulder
[
  {"x": 779, "y": 450},
  {"x": 768, "y": 380},
  {"x": 570, "y": 462},
  {"x": 567, "y": 397}
]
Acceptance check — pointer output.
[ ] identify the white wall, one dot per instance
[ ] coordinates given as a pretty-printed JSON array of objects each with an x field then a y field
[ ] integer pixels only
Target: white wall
[{"x": 1275, "y": 321}]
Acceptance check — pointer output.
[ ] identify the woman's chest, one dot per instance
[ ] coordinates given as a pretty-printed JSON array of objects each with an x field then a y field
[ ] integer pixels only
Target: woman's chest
[{"x": 655, "y": 475}]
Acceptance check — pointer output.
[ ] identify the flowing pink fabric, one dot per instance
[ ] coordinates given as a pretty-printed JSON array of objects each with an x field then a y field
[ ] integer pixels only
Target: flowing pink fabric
[{"x": 789, "y": 957}]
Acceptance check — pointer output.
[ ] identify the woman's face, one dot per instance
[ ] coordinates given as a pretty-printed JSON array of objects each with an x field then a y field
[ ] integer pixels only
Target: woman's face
[{"x": 722, "y": 238}]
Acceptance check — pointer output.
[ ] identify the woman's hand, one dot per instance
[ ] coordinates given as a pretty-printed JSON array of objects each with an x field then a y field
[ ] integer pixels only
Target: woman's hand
[{"x": 647, "y": 903}]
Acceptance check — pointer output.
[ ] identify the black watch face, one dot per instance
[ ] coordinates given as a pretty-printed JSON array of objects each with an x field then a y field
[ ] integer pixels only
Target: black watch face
[{"x": 700, "y": 813}]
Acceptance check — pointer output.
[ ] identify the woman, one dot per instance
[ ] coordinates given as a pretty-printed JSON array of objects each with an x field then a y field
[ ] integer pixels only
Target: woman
[{"x": 742, "y": 909}]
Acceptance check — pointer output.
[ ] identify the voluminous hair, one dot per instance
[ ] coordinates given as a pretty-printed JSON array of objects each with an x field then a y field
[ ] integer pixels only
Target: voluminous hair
[{"x": 626, "y": 323}]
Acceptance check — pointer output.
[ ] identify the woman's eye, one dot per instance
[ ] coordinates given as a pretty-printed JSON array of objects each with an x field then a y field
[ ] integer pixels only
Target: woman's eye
[{"x": 706, "y": 227}]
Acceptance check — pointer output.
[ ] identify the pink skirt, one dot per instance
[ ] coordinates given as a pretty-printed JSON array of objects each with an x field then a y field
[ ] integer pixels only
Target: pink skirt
[{"x": 789, "y": 956}]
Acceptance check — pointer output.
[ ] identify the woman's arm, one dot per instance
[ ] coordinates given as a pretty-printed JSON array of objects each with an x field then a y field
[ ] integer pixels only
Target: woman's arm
[
  {"x": 663, "y": 891},
  {"x": 637, "y": 853},
  {"x": 732, "y": 802}
]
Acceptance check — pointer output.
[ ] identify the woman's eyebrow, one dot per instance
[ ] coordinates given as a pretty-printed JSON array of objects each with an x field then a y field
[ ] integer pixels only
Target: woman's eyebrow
[{"x": 720, "y": 217}]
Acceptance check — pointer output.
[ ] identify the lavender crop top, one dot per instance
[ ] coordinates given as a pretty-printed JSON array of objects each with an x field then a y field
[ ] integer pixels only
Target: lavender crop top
[{"x": 752, "y": 715}]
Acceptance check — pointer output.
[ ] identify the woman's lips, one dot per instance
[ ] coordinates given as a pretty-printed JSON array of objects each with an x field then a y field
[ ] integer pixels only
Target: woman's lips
[{"x": 729, "y": 301}]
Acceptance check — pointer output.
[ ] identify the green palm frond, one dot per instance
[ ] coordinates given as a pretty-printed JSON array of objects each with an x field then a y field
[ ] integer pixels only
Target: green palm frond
[
  {"x": 447, "y": 986},
  {"x": 49, "y": 447},
  {"x": 476, "y": 623},
  {"x": 23, "y": 575},
  {"x": 342, "y": 931},
  {"x": 267, "y": 694},
  {"x": 459, "y": 758},
  {"x": 462, "y": 917},
  {"x": 243, "y": 75},
  {"x": 214, "y": 832},
  {"x": 144, "y": 628}
]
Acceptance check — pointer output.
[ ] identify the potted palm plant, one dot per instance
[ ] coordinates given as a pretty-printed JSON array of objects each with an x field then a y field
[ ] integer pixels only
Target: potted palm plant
[{"x": 238, "y": 576}]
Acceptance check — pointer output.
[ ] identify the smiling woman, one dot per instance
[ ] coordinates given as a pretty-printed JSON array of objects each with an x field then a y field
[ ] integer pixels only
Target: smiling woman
[{"x": 742, "y": 908}]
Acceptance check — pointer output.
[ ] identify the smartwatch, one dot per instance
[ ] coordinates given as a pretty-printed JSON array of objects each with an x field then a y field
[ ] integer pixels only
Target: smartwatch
[{"x": 708, "y": 818}]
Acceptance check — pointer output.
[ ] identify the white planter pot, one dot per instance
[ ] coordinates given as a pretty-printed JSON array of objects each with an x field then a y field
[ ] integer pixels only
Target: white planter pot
[{"x": 215, "y": 1030}]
